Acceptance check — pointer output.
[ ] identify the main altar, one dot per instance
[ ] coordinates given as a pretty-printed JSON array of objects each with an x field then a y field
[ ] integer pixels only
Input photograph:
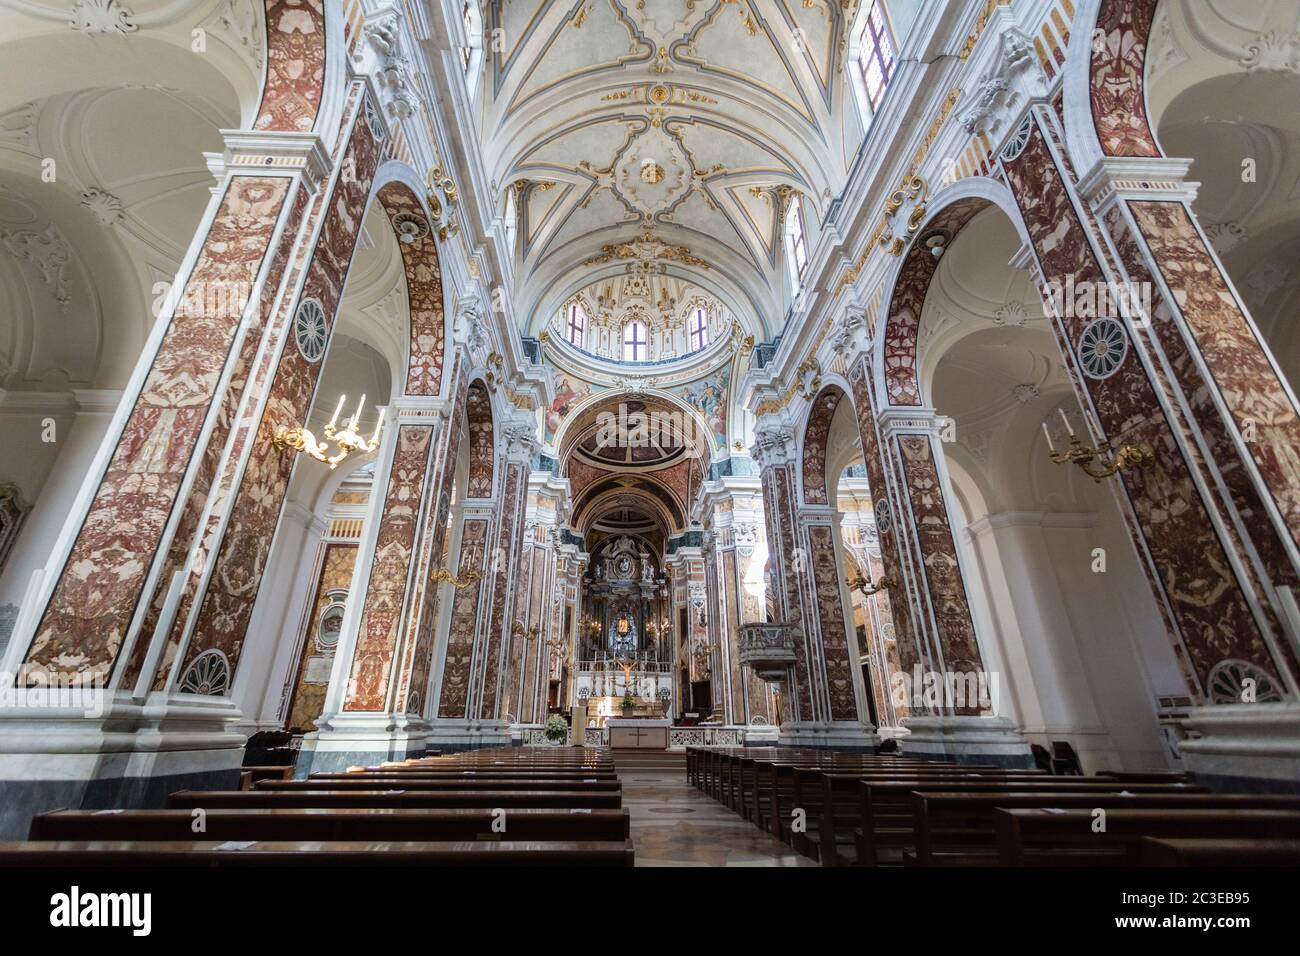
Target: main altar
[{"x": 638, "y": 733}]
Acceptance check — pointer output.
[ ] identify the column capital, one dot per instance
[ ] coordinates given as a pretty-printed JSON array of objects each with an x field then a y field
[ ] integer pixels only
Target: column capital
[
  {"x": 519, "y": 436},
  {"x": 1159, "y": 178},
  {"x": 851, "y": 336},
  {"x": 257, "y": 151},
  {"x": 774, "y": 442},
  {"x": 910, "y": 421}
]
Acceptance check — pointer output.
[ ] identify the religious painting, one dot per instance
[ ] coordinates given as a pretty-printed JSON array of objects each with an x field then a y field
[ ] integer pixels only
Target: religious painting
[
  {"x": 569, "y": 393},
  {"x": 709, "y": 398}
]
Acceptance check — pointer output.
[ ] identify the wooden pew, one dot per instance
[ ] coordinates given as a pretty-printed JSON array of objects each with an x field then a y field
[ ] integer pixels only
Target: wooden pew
[
  {"x": 218, "y": 853},
  {"x": 1056, "y": 837},
  {"x": 956, "y": 829},
  {"x": 277, "y": 772},
  {"x": 453, "y": 783},
  {"x": 1250, "y": 851},
  {"x": 336, "y": 824},
  {"x": 458, "y": 774},
  {"x": 832, "y": 802},
  {"x": 411, "y": 799},
  {"x": 888, "y": 825}
]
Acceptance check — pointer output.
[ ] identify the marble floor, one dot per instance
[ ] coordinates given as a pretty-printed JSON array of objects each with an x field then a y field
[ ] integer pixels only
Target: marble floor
[{"x": 673, "y": 824}]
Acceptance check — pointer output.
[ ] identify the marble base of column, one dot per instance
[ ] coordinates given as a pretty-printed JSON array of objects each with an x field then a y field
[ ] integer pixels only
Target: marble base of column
[
  {"x": 454, "y": 734},
  {"x": 1252, "y": 747},
  {"x": 352, "y": 740},
  {"x": 761, "y": 735},
  {"x": 127, "y": 755},
  {"x": 989, "y": 740},
  {"x": 829, "y": 735}
]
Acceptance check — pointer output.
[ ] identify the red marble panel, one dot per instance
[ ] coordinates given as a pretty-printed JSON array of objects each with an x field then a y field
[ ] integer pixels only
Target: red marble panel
[
  {"x": 1211, "y": 612},
  {"x": 784, "y": 595},
  {"x": 907, "y": 640},
  {"x": 507, "y": 556},
  {"x": 258, "y": 495},
  {"x": 183, "y": 543},
  {"x": 1116, "y": 78},
  {"x": 731, "y": 617},
  {"x": 417, "y": 661},
  {"x": 830, "y": 611},
  {"x": 454, "y": 695},
  {"x": 423, "y": 291},
  {"x": 295, "y": 65},
  {"x": 947, "y": 590},
  {"x": 102, "y": 582},
  {"x": 381, "y": 615},
  {"x": 482, "y": 449},
  {"x": 903, "y": 322},
  {"x": 815, "y": 434},
  {"x": 1240, "y": 371}
]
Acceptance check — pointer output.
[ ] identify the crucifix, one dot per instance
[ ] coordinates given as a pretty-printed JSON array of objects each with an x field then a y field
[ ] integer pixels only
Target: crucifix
[{"x": 627, "y": 666}]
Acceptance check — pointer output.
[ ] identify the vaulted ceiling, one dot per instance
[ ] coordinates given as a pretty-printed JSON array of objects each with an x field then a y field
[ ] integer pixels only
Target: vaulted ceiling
[{"x": 654, "y": 135}]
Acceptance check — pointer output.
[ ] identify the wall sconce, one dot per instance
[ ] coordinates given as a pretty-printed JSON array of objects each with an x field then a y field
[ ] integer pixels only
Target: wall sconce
[
  {"x": 867, "y": 588},
  {"x": 1125, "y": 457},
  {"x": 443, "y": 575},
  {"x": 530, "y": 634},
  {"x": 301, "y": 440}
]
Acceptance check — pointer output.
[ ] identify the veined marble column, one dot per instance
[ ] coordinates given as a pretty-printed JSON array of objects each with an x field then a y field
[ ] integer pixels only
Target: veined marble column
[
  {"x": 1214, "y": 514},
  {"x": 94, "y": 621},
  {"x": 371, "y": 713},
  {"x": 539, "y": 600},
  {"x": 734, "y": 509},
  {"x": 805, "y": 591},
  {"x": 858, "y": 532},
  {"x": 469, "y": 710},
  {"x": 942, "y": 670}
]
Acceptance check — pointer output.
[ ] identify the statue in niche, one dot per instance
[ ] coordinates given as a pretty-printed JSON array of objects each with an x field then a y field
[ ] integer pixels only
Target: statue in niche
[{"x": 647, "y": 568}]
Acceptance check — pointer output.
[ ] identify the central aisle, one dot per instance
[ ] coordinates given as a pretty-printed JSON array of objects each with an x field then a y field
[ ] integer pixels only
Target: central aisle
[{"x": 673, "y": 824}]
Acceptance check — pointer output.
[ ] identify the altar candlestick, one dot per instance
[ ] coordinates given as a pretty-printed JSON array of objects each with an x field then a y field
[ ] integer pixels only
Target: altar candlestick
[{"x": 1048, "y": 436}]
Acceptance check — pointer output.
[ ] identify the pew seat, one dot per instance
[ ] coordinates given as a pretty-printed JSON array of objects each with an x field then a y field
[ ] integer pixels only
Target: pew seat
[
  {"x": 1209, "y": 851},
  {"x": 1050, "y": 836},
  {"x": 334, "y": 824},
  {"x": 396, "y": 798},
  {"x": 221, "y": 853}
]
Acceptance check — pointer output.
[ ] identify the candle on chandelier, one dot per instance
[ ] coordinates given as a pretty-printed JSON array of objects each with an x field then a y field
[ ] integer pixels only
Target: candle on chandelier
[
  {"x": 1048, "y": 435},
  {"x": 378, "y": 425},
  {"x": 352, "y": 426},
  {"x": 339, "y": 409},
  {"x": 1065, "y": 418}
]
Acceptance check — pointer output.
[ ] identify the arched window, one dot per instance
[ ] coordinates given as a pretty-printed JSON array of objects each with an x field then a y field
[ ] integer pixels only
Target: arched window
[
  {"x": 875, "y": 53},
  {"x": 575, "y": 328},
  {"x": 635, "y": 343},
  {"x": 699, "y": 329},
  {"x": 512, "y": 216},
  {"x": 796, "y": 243}
]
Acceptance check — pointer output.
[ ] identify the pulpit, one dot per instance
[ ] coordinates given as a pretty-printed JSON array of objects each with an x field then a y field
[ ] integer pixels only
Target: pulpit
[{"x": 637, "y": 733}]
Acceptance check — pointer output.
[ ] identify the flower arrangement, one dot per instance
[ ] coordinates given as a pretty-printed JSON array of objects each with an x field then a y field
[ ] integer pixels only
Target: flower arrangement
[
  {"x": 556, "y": 729},
  {"x": 628, "y": 702}
]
